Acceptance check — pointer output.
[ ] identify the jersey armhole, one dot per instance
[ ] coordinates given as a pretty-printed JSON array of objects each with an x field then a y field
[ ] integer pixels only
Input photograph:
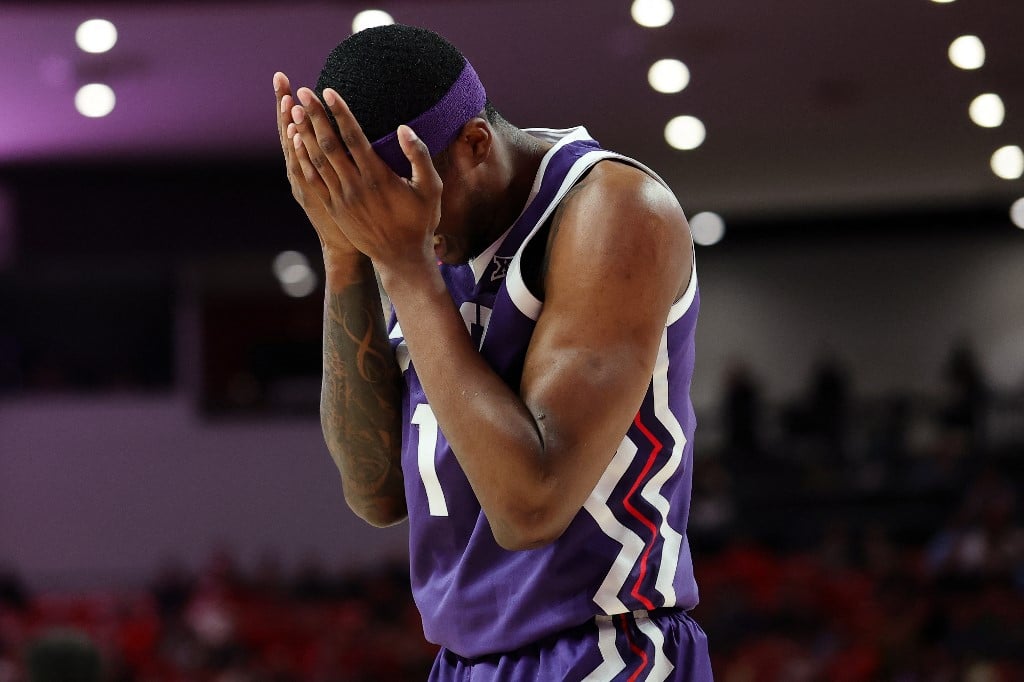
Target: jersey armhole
[{"x": 529, "y": 302}]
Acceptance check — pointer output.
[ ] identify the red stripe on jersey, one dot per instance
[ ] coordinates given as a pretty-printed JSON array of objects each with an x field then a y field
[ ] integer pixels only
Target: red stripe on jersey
[
  {"x": 635, "y": 513},
  {"x": 637, "y": 651}
]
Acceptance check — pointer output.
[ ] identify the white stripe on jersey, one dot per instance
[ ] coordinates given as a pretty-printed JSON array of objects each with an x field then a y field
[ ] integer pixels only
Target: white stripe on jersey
[
  {"x": 401, "y": 350},
  {"x": 680, "y": 307},
  {"x": 662, "y": 666},
  {"x": 560, "y": 138},
  {"x": 632, "y": 544},
  {"x": 607, "y": 596},
  {"x": 611, "y": 660},
  {"x": 672, "y": 539},
  {"x": 525, "y": 301}
]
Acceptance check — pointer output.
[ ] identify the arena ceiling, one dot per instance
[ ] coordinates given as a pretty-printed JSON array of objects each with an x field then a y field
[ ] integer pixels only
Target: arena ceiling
[{"x": 808, "y": 105}]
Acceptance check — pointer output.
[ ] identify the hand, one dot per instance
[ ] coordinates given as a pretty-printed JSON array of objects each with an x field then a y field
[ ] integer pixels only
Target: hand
[
  {"x": 332, "y": 240},
  {"x": 387, "y": 217}
]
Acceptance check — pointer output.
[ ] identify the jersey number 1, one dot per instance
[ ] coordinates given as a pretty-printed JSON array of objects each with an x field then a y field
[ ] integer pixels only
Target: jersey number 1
[{"x": 424, "y": 418}]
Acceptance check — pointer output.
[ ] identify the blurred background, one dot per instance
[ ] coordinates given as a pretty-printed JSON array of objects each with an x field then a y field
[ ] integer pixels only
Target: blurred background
[{"x": 852, "y": 172}]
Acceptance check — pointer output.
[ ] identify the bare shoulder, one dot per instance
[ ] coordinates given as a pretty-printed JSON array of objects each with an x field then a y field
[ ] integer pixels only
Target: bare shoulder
[
  {"x": 620, "y": 217},
  {"x": 616, "y": 183}
]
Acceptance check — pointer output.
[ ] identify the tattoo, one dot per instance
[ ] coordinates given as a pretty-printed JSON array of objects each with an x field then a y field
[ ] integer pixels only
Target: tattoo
[{"x": 360, "y": 401}]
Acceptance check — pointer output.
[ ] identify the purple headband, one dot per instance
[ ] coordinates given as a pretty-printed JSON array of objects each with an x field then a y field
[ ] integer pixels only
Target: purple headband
[{"x": 440, "y": 124}]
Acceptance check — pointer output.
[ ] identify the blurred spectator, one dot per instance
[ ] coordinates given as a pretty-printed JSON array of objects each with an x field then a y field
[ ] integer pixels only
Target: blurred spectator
[
  {"x": 741, "y": 412},
  {"x": 829, "y": 404},
  {"x": 713, "y": 509},
  {"x": 12, "y": 591},
  {"x": 311, "y": 582},
  {"x": 984, "y": 537},
  {"x": 816, "y": 424},
  {"x": 862, "y": 578},
  {"x": 64, "y": 656},
  {"x": 967, "y": 398},
  {"x": 172, "y": 589}
]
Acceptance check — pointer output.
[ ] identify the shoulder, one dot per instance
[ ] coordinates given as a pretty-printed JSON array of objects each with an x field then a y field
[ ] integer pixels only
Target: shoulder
[
  {"x": 614, "y": 183},
  {"x": 619, "y": 218}
]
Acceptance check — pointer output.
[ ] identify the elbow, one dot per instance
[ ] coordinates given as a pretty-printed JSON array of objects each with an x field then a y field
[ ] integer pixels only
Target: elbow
[
  {"x": 379, "y": 513},
  {"x": 523, "y": 530},
  {"x": 379, "y": 508},
  {"x": 532, "y": 517}
]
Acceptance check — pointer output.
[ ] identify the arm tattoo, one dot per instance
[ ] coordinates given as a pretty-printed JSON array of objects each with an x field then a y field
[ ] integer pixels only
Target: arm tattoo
[{"x": 360, "y": 400}]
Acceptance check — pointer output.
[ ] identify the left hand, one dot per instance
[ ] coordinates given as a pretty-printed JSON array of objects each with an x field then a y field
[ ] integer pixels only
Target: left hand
[{"x": 387, "y": 217}]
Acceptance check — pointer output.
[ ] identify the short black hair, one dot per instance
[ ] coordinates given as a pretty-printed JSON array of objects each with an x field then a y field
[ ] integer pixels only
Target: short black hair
[{"x": 389, "y": 75}]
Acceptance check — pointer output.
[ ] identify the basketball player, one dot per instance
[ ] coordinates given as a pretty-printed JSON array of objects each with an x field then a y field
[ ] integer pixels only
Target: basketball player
[{"x": 527, "y": 408}]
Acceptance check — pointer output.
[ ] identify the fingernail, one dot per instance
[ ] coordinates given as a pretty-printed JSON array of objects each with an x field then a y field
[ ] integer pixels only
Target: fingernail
[
  {"x": 297, "y": 142},
  {"x": 304, "y": 96},
  {"x": 330, "y": 96},
  {"x": 410, "y": 134},
  {"x": 290, "y": 132},
  {"x": 298, "y": 114},
  {"x": 285, "y": 103}
]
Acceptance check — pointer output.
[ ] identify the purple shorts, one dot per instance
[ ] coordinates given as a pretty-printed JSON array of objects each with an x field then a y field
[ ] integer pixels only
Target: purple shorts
[{"x": 662, "y": 645}]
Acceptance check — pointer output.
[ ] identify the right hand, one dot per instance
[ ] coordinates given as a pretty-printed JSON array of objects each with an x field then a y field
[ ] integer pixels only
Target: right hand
[{"x": 304, "y": 179}]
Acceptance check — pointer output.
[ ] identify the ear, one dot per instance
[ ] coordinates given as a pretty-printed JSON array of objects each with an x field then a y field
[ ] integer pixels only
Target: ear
[{"x": 473, "y": 145}]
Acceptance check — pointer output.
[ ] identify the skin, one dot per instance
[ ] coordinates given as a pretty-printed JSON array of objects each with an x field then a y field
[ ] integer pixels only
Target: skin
[{"x": 532, "y": 457}]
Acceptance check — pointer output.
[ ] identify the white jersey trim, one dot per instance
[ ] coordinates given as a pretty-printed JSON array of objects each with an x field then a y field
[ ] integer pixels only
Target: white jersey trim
[
  {"x": 633, "y": 545},
  {"x": 607, "y": 596},
  {"x": 680, "y": 307},
  {"x": 560, "y": 138},
  {"x": 611, "y": 660},
  {"x": 672, "y": 540},
  {"x": 662, "y": 666},
  {"x": 401, "y": 350},
  {"x": 528, "y": 304}
]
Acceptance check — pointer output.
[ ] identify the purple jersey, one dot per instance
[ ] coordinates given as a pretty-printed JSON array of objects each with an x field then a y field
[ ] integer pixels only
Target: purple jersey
[{"x": 626, "y": 550}]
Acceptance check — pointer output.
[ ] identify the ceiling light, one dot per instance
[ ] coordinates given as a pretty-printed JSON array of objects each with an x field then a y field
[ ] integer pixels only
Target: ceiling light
[
  {"x": 298, "y": 281},
  {"x": 286, "y": 259},
  {"x": 96, "y": 36},
  {"x": 371, "y": 18},
  {"x": 652, "y": 13},
  {"x": 707, "y": 228},
  {"x": 668, "y": 76},
  {"x": 967, "y": 52},
  {"x": 95, "y": 100},
  {"x": 987, "y": 110},
  {"x": 942, "y": 2},
  {"x": 685, "y": 132},
  {"x": 1017, "y": 213},
  {"x": 294, "y": 274},
  {"x": 1008, "y": 162}
]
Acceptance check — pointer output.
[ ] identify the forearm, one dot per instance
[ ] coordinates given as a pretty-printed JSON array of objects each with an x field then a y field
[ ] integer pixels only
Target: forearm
[
  {"x": 360, "y": 400},
  {"x": 493, "y": 434}
]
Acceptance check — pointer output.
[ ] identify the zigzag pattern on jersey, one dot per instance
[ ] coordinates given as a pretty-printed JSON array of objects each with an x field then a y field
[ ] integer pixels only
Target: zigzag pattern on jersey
[
  {"x": 620, "y": 638},
  {"x": 657, "y": 440}
]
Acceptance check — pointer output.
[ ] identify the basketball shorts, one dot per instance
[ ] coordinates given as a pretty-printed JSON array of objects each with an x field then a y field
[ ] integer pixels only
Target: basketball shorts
[{"x": 662, "y": 645}]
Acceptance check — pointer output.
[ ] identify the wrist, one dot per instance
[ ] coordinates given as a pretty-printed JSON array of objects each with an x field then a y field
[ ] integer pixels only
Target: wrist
[
  {"x": 343, "y": 267},
  {"x": 419, "y": 276}
]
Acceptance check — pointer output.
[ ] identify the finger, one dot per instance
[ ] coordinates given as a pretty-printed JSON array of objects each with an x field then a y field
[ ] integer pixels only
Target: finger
[
  {"x": 424, "y": 175},
  {"x": 284, "y": 121},
  {"x": 300, "y": 166},
  {"x": 314, "y": 157},
  {"x": 327, "y": 138},
  {"x": 282, "y": 90},
  {"x": 326, "y": 149},
  {"x": 365, "y": 158}
]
